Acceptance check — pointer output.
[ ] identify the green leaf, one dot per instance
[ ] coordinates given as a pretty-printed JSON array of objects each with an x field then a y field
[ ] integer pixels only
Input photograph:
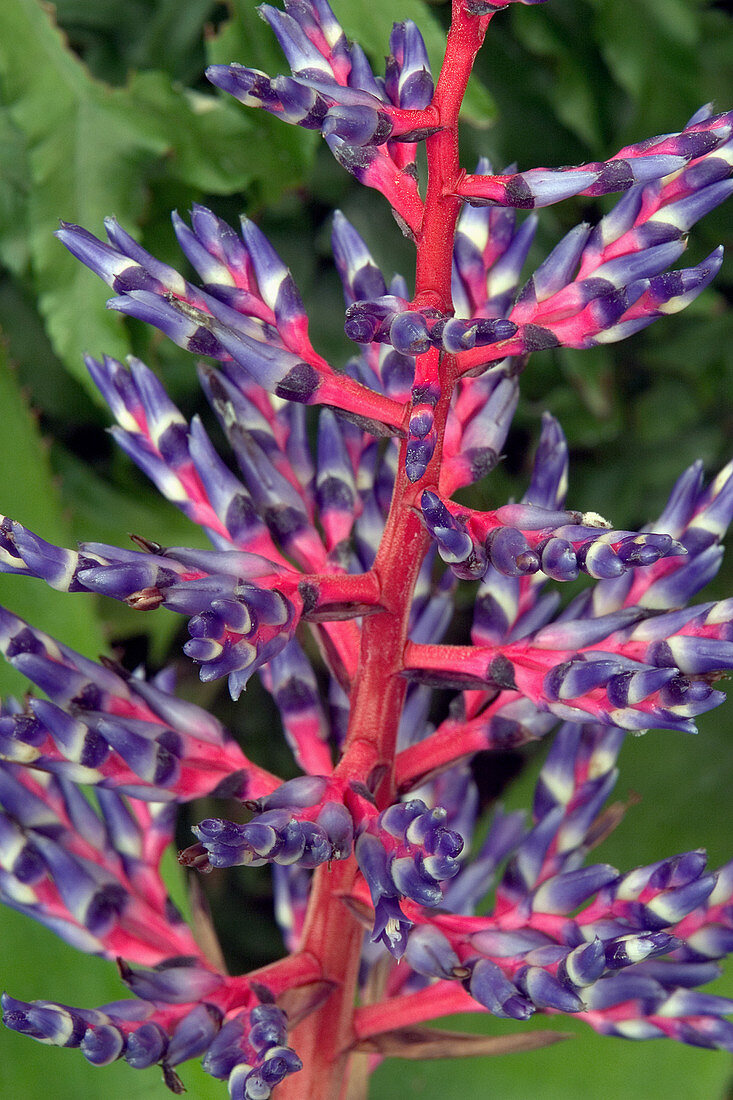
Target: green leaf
[
  {"x": 640, "y": 61},
  {"x": 89, "y": 154},
  {"x": 212, "y": 138},
  {"x": 95, "y": 150},
  {"x": 248, "y": 40},
  {"x": 51, "y": 389},
  {"x": 29, "y": 495},
  {"x": 13, "y": 196},
  {"x": 370, "y": 25},
  {"x": 114, "y": 38}
]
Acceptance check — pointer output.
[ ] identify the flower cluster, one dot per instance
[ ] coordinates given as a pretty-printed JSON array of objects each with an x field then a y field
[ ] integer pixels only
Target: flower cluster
[
  {"x": 166, "y": 1026},
  {"x": 547, "y": 946},
  {"x": 405, "y": 852},
  {"x": 93, "y": 877},
  {"x": 331, "y": 538},
  {"x": 280, "y": 832}
]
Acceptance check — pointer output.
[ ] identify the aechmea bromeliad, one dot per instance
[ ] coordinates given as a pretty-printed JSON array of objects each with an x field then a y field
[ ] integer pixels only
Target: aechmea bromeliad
[{"x": 358, "y": 543}]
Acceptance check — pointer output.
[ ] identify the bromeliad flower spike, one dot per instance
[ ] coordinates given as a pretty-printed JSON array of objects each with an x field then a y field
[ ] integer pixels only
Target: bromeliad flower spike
[{"x": 358, "y": 546}]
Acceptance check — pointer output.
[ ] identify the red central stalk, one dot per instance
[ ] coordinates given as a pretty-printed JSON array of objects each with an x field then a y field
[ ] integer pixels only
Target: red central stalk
[
  {"x": 435, "y": 241},
  {"x": 332, "y": 934}
]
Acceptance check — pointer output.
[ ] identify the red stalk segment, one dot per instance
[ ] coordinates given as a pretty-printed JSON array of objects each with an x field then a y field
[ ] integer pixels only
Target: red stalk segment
[
  {"x": 334, "y": 596},
  {"x": 332, "y": 934},
  {"x": 435, "y": 241},
  {"x": 447, "y": 746},
  {"x": 442, "y": 998}
]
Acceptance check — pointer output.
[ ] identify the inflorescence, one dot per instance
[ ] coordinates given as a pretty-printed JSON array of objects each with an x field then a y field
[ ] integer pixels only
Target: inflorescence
[{"x": 304, "y": 542}]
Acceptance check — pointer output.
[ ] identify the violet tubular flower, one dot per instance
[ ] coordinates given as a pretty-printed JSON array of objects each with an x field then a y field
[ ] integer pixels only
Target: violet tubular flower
[
  {"x": 235, "y": 625},
  {"x": 405, "y": 852},
  {"x": 570, "y": 951},
  {"x": 282, "y": 831},
  {"x": 179, "y": 1016},
  {"x": 336, "y": 552}
]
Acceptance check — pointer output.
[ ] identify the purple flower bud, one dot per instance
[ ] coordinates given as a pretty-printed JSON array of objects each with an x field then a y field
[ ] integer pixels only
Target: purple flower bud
[
  {"x": 305, "y": 790},
  {"x": 495, "y": 992},
  {"x": 102, "y": 1044},
  {"x": 419, "y": 453},
  {"x": 193, "y": 1035},
  {"x": 510, "y": 553},
  {"x": 634, "y": 948},
  {"x": 172, "y": 983},
  {"x": 567, "y": 891},
  {"x": 409, "y": 333},
  {"x": 146, "y": 1045},
  {"x": 583, "y": 965},
  {"x": 360, "y": 276},
  {"x": 358, "y": 125},
  {"x": 455, "y": 545},
  {"x": 545, "y": 991},
  {"x": 46, "y": 1022},
  {"x": 409, "y": 81},
  {"x": 430, "y": 953}
]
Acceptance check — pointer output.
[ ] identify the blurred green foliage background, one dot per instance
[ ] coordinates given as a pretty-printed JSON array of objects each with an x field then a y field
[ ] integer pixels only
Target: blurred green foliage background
[{"x": 104, "y": 110}]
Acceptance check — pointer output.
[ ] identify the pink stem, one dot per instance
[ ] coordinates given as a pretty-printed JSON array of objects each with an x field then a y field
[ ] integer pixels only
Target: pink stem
[
  {"x": 439, "y": 999},
  {"x": 450, "y": 743},
  {"x": 332, "y": 934}
]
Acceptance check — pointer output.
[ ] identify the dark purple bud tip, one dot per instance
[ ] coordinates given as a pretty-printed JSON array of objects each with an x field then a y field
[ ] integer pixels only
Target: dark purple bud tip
[
  {"x": 417, "y": 458},
  {"x": 299, "y": 384},
  {"x": 493, "y": 331},
  {"x": 501, "y": 673},
  {"x": 361, "y": 328},
  {"x": 409, "y": 334},
  {"x": 102, "y": 1044},
  {"x": 357, "y": 125},
  {"x": 421, "y": 423},
  {"x": 419, "y": 134}
]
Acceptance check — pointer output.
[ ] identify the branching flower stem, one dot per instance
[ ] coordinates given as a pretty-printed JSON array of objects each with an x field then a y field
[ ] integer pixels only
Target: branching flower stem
[
  {"x": 435, "y": 241},
  {"x": 440, "y": 999},
  {"x": 333, "y": 934},
  {"x": 345, "y": 540}
]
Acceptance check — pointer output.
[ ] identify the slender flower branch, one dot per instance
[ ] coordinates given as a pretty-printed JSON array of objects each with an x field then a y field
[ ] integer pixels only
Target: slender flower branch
[
  {"x": 435, "y": 241},
  {"x": 336, "y": 529},
  {"x": 438, "y": 999}
]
